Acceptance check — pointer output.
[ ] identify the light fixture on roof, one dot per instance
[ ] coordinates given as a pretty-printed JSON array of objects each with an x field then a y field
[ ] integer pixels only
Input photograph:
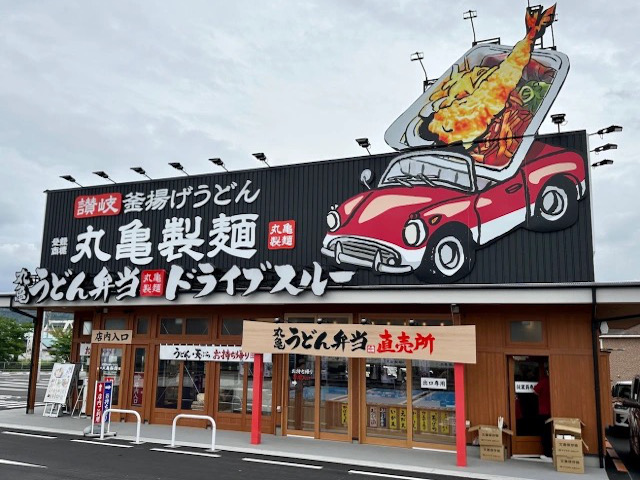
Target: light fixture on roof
[
  {"x": 364, "y": 143},
  {"x": 178, "y": 166},
  {"x": 69, "y": 178},
  {"x": 418, "y": 57},
  {"x": 559, "y": 119},
  {"x": 602, "y": 163},
  {"x": 104, "y": 175},
  {"x": 607, "y": 146},
  {"x": 262, "y": 157},
  {"x": 219, "y": 163},
  {"x": 470, "y": 15},
  {"x": 610, "y": 129},
  {"x": 141, "y": 171}
]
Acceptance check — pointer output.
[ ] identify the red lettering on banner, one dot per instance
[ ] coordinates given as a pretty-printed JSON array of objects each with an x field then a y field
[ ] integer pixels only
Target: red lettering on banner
[
  {"x": 97, "y": 403},
  {"x": 107, "y": 204},
  {"x": 282, "y": 235},
  {"x": 152, "y": 283}
]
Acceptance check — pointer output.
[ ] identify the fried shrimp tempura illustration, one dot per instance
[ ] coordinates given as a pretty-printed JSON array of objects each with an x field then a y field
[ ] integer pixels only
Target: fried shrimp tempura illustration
[{"x": 470, "y": 99}]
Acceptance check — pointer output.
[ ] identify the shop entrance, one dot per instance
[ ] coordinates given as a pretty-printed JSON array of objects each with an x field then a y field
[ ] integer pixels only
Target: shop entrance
[
  {"x": 318, "y": 397},
  {"x": 529, "y": 400},
  {"x": 409, "y": 402}
]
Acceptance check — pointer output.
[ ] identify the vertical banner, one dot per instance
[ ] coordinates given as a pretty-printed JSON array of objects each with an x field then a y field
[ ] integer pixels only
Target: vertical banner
[
  {"x": 98, "y": 402},
  {"x": 108, "y": 391}
]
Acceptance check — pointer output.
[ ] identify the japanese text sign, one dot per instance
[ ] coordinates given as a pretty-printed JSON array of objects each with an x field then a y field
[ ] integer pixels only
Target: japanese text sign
[
  {"x": 106, "y": 404},
  {"x": 153, "y": 282},
  {"x": 86, "y": 206},
  {"x": 525, "y": 387},
  {"x": 111, "y": 336},
  {"x": 451, "y": 344},
  {"x": 98, "y": 402},
  {"x": 433, "y": 383},
  {"x": 206, "y": 353},
  {"x": 282, "y": 234}
]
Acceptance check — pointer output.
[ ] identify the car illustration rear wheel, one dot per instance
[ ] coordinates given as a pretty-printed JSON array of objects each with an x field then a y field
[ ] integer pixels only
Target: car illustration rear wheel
[
  {"x": 556, "y": 207},
  {"x": 449, "y": 255}
]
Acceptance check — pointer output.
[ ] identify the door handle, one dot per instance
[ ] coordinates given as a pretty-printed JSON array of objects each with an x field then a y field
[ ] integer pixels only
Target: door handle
[{"x": 513, "y": 188}]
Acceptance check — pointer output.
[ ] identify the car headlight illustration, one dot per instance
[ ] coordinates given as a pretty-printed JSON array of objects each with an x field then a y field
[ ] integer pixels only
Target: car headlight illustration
[{"x": 414, "y": 232}]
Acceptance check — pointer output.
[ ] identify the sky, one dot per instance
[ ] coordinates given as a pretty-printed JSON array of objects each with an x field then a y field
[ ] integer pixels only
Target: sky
[{"x": 94, "y": 85}]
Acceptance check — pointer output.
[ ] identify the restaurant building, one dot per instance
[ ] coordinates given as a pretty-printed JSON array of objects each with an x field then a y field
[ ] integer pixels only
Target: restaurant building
[{"x": 399, "y": 295}]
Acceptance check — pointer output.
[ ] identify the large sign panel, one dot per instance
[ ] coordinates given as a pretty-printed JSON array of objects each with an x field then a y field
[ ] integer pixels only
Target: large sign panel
[
  {"x": 473, "y": 196},
  {"x": 446, "y": 344}
]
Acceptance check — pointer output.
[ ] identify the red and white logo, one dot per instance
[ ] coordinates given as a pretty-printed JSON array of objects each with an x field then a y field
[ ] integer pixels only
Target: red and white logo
[
  {"x": 153, "y": 283},
  {"x": 282, "y": 235},
  {"x": 107, "y": 204}
]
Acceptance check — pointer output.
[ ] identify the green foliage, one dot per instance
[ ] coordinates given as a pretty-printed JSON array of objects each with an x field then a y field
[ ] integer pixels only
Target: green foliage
[
  {"x": 12, "y": 341},
  {"x": 60, "y": 349}
]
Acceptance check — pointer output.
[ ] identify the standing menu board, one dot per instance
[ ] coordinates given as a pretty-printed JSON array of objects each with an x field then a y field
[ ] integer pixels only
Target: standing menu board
[{"x": 59, "y": 383}]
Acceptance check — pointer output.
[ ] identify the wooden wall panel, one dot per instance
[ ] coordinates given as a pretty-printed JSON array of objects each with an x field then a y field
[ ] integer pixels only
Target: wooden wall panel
[
  {"x": 489, "y": 324},
  {"x": 570, "y": 331},
  {"x": 605, "y": 390},
  {"x": 573, "y": 392},
  {"x": 486, "y": 389}
]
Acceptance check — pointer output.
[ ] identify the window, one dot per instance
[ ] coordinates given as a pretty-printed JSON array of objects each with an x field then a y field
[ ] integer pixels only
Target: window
[
  {"x": 137, "y": 394},
  {"x": 142, "y": 326},
  {"x": 197, "y": 326},
  {"x": 87, "y": 327},
  {"x": 231, "y": 387},
  {"x": 168, "y": 381},
  {"x": 115, "y": 324},
  {"x": 184, "y": 326},
  {"x": 110, "y": 367},
  {"x": 171, "y": 326},
  {"x": 232, "y": 326},
  {"x": 193, "y": 384},
  {"x": 527, "y": 331}
]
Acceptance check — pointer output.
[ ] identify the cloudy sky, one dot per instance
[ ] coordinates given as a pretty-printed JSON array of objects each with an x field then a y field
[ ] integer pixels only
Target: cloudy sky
[{"x": 109, "y": 85}]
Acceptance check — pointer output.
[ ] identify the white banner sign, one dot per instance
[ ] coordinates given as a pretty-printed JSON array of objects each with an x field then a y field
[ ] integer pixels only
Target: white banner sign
[
  {"x": 525, "y": 387},
  {"x": 85, "y": 349},
  {"x": 59, "y": 383},
  {"x": 207, "y": 353},
  {"x": 433, "y": 383}
]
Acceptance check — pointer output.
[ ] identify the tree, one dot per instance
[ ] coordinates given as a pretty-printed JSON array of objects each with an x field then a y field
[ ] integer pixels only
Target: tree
[
  {"x": 60, "y": 349},
  {"x": 12, "y": 339}
]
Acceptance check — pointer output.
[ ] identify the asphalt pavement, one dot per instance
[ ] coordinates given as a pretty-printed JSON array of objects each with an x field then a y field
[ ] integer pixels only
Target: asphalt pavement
[
  {"x": 620, "y": 442},
  {"x": 51, "y": 456},
  {"x": 13, "y": 389}
]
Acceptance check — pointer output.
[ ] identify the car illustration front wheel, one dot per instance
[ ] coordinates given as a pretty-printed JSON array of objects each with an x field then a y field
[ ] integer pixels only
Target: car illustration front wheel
[
  {"x": 556, "y": 207},
  {"x": 449, "y": 256}
]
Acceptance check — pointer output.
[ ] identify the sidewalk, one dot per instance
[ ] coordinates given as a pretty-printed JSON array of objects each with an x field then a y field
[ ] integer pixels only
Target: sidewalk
[{"x": 411, "y": 460}]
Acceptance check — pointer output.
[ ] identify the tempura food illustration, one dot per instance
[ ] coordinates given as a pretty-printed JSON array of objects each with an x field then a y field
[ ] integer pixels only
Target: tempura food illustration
[{"x": 486, "y": 102}]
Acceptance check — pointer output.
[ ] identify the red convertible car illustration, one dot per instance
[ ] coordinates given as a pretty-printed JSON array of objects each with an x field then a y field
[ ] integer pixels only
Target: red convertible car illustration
[{"x": 432, "y": 209}]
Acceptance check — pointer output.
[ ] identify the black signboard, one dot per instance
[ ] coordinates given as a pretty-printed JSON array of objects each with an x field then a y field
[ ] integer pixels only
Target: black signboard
[{"x": 412, "y": 218}]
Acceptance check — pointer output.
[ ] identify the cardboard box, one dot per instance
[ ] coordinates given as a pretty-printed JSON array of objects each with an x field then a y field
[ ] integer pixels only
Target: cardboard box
[
  {"x": 566, "y": 426},
  {"x": 488, "y": 435},
  {"x": 493, "y": 453},
  {"x": 569, "y": 464},
  {"x": 568, "y": 448}
]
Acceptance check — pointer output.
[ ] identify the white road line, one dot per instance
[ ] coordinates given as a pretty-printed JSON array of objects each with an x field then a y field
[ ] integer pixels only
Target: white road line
[
  {"x": 47, "y": 437},
  {"x": 20, "y": 464},
  {"x": 385, "y": 475},
  {"x": 11, "y": 389},
  {"x": 283, "y": 464},
  {"x": 185, "y": 452},
  {"x": 104, "y": 444}
]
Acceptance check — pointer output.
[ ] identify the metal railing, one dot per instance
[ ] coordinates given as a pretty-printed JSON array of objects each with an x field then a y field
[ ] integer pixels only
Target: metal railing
[
  {"x": 23, "y": 366},
  {"x": 119, "y": 410},
  {"x": 198, "y": 417}
]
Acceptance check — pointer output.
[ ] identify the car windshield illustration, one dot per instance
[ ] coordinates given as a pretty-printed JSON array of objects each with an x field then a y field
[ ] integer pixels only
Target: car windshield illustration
[{"x": 432, "y": 170}]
